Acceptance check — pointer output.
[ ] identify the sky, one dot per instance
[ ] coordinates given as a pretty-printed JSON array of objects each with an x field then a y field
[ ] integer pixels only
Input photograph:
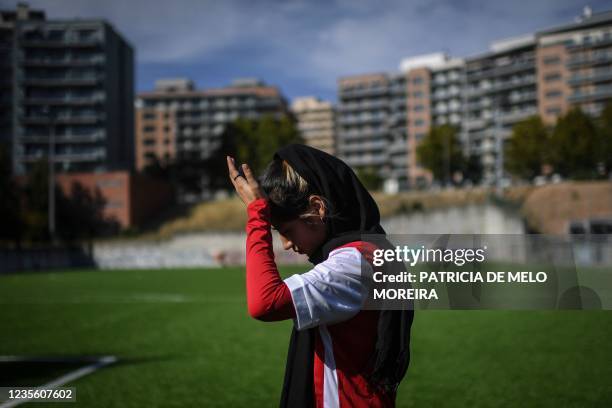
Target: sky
[{"x": 303, "y": 47}]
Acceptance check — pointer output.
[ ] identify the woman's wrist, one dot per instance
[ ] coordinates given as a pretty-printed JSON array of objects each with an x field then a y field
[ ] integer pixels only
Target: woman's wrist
[{"x": 259, "y": 208}]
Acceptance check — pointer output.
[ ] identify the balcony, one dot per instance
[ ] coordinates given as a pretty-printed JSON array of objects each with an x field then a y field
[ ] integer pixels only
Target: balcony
[
  {"x": 371, "y": 91},
  {"x": 63, "y": 62},
  {"x": 504, "y": 86},
  {"x": 400, "y": 162},
  {"x": 590, "y": 44},
  {"x": 360, "y": 106},
  {"x": 515, "y": 116},
  {"x": 366, "y": 160},
  {"x": 69, "y": 100},
  {"x": 475, "y": 123},
  {"x": 361, "y": 134},
  {"x": 399, "y": 144},
  {"x": 446, "y": 93},
  {"x": 596, "y": 59},
  {"x": 65, "y": 138},
  {"x": 62, "y": 43},
  {"x": 34, "y": 119},
  {"x": 399, "y": 90},
  {"x": 361, "y": 119},
  {"x": 65, "y": 81},
  {"x": 503, "y": 70},
  {"x": 602, "y": 92},
  {"x": 194, "y": 120},
  {"x": 598, "y": 76},
  {"x": 93, "y": 156},
  {"x": 365, "y": 146},
  {"x": 523, "y": 97}
]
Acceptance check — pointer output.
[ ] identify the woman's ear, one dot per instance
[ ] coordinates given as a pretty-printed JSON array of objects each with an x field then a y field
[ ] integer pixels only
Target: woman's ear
[{"x": 317, "y": 206}]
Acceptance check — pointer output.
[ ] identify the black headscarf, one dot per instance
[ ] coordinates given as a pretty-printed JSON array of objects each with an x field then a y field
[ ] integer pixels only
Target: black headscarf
[{"x": 354, "y": 213}]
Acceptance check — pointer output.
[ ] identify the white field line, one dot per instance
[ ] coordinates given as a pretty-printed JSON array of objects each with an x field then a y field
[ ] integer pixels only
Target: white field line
[
  {"x": 71, "y": 376},
  {"x": 135, "y": 298}
]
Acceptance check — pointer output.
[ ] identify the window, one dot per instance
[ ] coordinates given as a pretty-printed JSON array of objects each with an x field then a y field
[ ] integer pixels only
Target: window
[
  {"x": 114, "y": 204},
  {"x": 419, "y": 122},
  {"x": 148, "y": 142},
  {"x": 417, "y": 80},
  {"x": 419, "y": 136},
  {"x": 87, "y": 34},
  {"x": 553, "y": 110},
  {"x": 148, "y": 129},
  {"x": 553, "y": 94},
  {"x": 555, "y": 76},
  {"x": 417, "y": 94},
  {"x": 418, "y": 108},
  {"x": 56, "y": 35},
  {"x": 109, "y": 183},
  {"x": 551, "y": 60},
  {"x": 149, "y": 116}
]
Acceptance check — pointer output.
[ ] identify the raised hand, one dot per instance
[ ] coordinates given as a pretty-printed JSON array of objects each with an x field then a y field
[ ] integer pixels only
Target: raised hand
[{"x": 246, "y": 186}]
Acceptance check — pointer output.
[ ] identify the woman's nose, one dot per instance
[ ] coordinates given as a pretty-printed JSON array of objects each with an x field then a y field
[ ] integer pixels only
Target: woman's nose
[{"x": 287, "y": 244}]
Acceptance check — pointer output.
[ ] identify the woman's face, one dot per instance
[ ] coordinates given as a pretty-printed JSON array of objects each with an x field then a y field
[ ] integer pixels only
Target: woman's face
[{"x": 302, "y": 236}]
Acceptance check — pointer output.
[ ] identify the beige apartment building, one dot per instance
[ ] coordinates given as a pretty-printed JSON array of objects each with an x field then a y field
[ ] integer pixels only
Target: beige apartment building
[{"x": 316, "y": 122}]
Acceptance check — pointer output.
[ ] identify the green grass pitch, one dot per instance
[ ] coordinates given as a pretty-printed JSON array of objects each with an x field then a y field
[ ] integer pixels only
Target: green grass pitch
[{"x": 184, "y": 339}]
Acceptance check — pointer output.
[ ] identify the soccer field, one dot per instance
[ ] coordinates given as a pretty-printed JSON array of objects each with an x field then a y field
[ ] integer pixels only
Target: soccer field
[{"x": 183, "y": 338}]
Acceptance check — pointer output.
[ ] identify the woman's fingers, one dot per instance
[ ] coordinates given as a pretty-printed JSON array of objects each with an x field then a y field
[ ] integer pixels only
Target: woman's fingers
[
  {"x": 246, "y": 186},
  {"x": 250, "y": 178},
  {"x": 233, "y": 172}
]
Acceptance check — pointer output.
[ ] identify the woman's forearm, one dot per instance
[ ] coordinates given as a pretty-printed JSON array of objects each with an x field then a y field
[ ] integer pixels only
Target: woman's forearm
[{"x": 268, "y": 297}]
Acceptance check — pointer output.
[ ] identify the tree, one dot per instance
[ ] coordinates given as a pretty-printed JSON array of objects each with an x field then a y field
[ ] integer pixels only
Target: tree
[
  {"x": 36, "y": 201},
  {"x": 605, "y": 136},
  {"x": 370, "y": 178},
  {"x": 473, "y": 169},
  {"x": 440, "y": 152},
  {"x": 255, "y": 141},
  {"x": 575, "y": 149},
  {"x": 248, "y": 140},
  {"x": 10, "y": 216},
  {"x": 79, "y": 213},
  {"x": 528, "y": 148}
]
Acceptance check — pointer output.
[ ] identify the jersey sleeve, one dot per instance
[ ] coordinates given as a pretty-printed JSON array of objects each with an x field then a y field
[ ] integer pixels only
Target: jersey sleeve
[
  {"x": 268, "y": 297},
  {"x": 333, "y": 291}
]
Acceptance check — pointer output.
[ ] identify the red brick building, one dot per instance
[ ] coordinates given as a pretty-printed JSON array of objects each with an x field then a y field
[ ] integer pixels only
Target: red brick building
[{"x": 130, "y": 198}]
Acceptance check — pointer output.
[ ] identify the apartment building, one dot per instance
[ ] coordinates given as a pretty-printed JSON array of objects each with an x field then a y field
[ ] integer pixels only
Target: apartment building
[
  {"x": 484, "y": 95},
  {"x": 500, "y": 90},
  {"x": 316, "y": 122},
  {"x": 434, "y": 98},
  {"x": 372, "y": 125},
  {"x": 176, "y": 120},
  {"x": 383, "y": 117},
  {"x": 67, "y": 89},
  {"x": 574, "y": 64}
]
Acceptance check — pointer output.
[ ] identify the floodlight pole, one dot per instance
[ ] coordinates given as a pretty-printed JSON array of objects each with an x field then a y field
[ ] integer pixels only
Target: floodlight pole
[{"x": 51, "y": 189}]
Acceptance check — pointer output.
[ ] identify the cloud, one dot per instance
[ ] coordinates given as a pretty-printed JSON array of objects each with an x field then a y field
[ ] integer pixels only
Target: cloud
[{"x": 315, "y": 41}]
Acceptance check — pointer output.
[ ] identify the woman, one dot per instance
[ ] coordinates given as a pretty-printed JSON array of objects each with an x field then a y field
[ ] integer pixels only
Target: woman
[{"x": 339, "y": 355}]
